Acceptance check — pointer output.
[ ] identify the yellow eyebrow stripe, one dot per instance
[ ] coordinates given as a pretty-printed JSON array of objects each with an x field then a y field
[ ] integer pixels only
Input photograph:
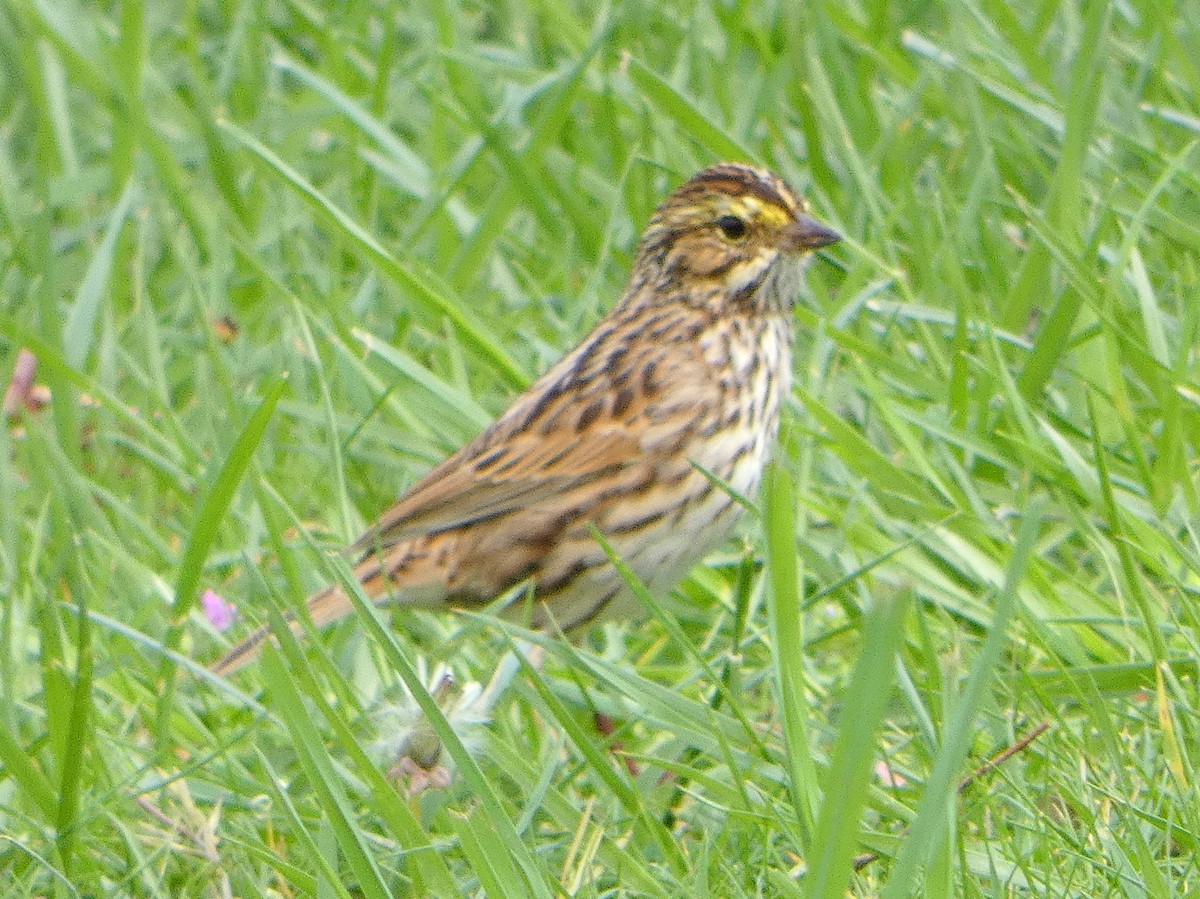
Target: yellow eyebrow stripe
[{"x": 755, "y": 209}]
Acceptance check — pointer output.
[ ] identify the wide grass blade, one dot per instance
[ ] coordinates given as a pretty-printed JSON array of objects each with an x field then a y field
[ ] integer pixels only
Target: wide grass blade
[
  {"x": 208, "y": 518},
  {"x": 931, "y": 825}
]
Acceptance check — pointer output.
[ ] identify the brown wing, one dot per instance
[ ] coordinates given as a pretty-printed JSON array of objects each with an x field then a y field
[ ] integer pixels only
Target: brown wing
[
  {"x": 576, "y": 423},
  {"x": 474, "y": 486},
  {"x": 461, "y": 491}
]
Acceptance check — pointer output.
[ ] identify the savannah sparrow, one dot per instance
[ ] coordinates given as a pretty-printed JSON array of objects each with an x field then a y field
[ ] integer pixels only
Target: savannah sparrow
[{"x": 682, "y": 380}]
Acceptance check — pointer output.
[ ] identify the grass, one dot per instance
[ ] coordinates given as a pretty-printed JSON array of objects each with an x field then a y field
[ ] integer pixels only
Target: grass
[{"x": 276, "y": 260}]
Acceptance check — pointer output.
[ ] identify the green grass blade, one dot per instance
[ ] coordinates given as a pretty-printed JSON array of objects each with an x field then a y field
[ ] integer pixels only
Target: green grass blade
[
  {"x": 787, "y": 638},
  {"x": 940, "y": 789},
  {"x": 324, "y": 781},
  {"x": 420, "y": 287},
  {"x": 208, "y": 518},
  {"x": 677, "y": 108},
  {"x": 836, "y": 841},
  {"x": 79, "y": 331}
]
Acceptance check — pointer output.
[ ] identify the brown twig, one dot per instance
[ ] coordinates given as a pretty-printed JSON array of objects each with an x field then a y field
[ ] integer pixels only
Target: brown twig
[
  {"x": 983, "y": 770},
  {"x": 1003, "y": 756}
]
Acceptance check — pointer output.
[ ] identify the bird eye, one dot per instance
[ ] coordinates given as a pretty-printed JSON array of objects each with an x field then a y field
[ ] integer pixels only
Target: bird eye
[{"x": 732, "y": 227}]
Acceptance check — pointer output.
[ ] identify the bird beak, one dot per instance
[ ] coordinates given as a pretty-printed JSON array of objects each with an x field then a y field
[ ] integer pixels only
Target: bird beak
[{"x": 809, "y": 234}]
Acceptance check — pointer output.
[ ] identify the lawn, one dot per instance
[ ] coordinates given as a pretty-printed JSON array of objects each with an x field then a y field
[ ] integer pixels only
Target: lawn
[{"x": 275, "y": 260}]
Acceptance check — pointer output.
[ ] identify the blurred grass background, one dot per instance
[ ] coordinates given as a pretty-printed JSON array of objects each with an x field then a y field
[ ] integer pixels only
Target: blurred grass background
[{"x": 276, "y": 259}]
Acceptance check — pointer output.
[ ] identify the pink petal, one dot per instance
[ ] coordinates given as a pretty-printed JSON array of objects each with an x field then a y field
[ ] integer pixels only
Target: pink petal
[{"x": 219, "y": 611}]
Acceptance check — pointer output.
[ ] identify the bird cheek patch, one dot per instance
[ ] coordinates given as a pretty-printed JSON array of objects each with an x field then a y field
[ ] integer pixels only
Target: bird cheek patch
[{"x": 700, "y": 255}]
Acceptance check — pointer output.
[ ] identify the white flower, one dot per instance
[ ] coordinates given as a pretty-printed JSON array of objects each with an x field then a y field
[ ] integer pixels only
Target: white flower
[{"x": 408, "y": 741}]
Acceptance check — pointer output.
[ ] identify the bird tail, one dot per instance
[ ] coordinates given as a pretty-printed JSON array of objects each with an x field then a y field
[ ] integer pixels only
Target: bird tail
[{"x": 324, "y": 608}]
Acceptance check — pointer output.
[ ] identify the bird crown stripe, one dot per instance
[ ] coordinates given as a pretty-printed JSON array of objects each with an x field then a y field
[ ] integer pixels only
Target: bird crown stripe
[{"x": 736, "y": 181}]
